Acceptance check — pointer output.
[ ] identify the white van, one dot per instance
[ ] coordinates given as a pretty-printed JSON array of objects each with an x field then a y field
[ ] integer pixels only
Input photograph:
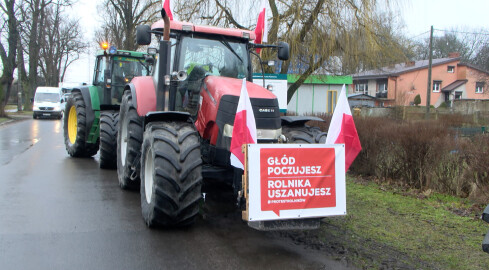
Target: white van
[{"x": 47, "y": 102}]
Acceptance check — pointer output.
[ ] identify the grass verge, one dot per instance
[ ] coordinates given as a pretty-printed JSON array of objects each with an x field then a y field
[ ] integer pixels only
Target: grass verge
[{"x": 387, "y": 227}]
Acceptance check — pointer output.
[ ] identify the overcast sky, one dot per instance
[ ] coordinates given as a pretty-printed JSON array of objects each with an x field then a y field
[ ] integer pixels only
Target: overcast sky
[{"x": 418, "y": 16}]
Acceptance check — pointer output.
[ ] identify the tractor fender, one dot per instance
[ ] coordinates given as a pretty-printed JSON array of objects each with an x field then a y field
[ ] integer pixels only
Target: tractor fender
[
  {"x": 167, "y": 116},
  {"x": 298, "y": 120},
  {"x": 143, "y": 94},
  {"x": 92, "y": 104}
]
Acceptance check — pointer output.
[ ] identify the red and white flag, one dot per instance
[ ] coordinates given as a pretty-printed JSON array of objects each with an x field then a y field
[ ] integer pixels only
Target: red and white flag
[
  {"x": 244, "y": 130},
  {"x": 342, "y": 130},
  {"x": 261, "y": 30},
  {"x": 166, "y": 7}
]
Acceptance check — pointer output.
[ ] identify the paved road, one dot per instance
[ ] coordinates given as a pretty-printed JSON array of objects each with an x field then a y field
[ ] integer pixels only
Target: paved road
[{"x": 58, "y": 212}]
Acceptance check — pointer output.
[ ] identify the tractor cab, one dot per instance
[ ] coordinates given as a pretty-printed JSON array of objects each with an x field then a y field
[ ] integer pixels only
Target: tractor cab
[{"x": 114, "y": 69}]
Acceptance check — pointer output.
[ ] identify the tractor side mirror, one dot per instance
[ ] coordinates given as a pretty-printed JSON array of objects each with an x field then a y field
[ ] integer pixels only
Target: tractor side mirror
[
  {"x": 283, "y": 51},
  {"x": 143, "y": 35}
]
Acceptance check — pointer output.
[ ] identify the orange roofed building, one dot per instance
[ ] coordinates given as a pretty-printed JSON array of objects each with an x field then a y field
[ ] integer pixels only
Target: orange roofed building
[{"x": 398, "y": 85}]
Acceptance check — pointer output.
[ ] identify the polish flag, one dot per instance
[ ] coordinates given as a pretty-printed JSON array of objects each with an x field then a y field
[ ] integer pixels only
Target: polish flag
[
  {"x": 244, "y": 130},
  {"x": 342, "y": 130},
  {"x": 261, "y": 30},
  {"x": 166, "y": 7}
]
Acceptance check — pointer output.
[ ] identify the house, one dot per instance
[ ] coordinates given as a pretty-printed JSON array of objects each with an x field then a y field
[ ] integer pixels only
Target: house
[{"x": 399, "y": 84}]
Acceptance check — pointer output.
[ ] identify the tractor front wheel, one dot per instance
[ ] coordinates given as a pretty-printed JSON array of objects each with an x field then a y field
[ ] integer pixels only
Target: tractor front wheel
[
  {"x": 75, "y": 129},
  {"x": 171, "y": 174},
  {"x": 108, "y": 139},
  {"x": 129, "y": 140}
]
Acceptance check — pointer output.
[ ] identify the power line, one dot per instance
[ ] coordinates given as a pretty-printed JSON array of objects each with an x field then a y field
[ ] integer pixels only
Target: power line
[
  {"x": 463, "y": 32},
  {"x": 419, "y": 35}
]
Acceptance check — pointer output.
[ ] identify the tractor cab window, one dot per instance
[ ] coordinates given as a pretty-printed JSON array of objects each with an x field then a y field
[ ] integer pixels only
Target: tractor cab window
[
  {"x": 205, "y": 57},
  {"x": 99, "y": 72},
  {"x": 214, "y": 57},
  {"x": 123, "y": 70}
]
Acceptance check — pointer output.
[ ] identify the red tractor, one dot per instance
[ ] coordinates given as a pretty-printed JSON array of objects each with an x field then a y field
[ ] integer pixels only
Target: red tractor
[{"x": 176, "y": 125}]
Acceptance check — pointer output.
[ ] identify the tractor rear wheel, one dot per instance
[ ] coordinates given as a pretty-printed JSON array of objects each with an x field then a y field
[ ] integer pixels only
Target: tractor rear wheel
[
  {"x": 129, "y": 140},
  {"x": 303, "y": 134},
  {"x": 171, "y": 174},
  {"x": 75, "y": 129},
  {"x": 108, "y": 139}
]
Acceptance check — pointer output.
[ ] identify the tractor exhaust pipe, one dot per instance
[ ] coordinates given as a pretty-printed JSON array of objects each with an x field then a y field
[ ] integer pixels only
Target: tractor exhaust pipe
[
  {"x": 163, "y": 86},
  {"x": 166, "y": 20}
]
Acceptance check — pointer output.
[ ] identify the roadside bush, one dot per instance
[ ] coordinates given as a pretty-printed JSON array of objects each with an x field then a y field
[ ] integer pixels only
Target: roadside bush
[
  {"x": 447, "y": 174},
  {"x": 372, "y": 132},
  {"x": 422, "y": 155},
  {"x": 477, "y": 159}
]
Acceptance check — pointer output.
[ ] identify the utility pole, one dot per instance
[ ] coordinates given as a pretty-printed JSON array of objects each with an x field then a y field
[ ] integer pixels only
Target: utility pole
[{"x": 428, "y": 92}]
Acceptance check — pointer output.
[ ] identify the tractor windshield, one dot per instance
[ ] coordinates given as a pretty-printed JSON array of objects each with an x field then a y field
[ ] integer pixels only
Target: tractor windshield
[
  {"x": 200, "y": 57},
  {"x": 123, "y": 70},
  {"x": 126, "y": 68},
  {"x": 214, "y": 57}
]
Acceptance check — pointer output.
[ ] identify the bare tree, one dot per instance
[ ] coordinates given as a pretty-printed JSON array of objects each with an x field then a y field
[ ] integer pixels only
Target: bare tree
[
  {"x": 468, "y": 42},
  {"x": 320, "y": 32},
  {"x": 121, "y": 18},
  {"x": 34, "y": 17},
  {"x": 61, "y": 45},
  {"x": 8, "y": 55}
]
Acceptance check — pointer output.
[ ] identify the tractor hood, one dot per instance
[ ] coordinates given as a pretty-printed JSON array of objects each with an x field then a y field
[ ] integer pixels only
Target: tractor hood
[{"x": 219, "y": 86}]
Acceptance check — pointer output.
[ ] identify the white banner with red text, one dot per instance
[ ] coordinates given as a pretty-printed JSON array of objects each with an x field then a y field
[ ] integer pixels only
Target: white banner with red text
[{"x": 291, "y": 181}]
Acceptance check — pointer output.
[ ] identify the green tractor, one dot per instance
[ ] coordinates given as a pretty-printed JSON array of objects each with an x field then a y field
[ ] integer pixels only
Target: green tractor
[{"x": 92, "y": 111}]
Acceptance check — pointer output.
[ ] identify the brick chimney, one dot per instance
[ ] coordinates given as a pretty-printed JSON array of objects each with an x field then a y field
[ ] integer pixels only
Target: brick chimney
[{"x": 453, "y": 55}]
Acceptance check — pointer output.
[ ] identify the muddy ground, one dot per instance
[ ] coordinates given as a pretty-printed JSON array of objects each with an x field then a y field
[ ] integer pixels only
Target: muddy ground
[{"x": 337, "y": 243}]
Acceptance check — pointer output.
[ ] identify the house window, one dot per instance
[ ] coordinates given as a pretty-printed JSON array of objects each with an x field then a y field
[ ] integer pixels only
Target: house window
[
  {"x": 381, "y": 86},
  {"x": 361, "y": 87},
  {"x": 458, "y": 95},
  {"x": 450, "y": 69},
  {"x": 479, "y": 87},
  {"x": 332, "y": 98},
  {"x": 436, "y": 86}
]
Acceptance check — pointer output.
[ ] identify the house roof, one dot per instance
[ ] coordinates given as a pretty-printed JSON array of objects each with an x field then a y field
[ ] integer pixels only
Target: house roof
[
  {"x": 398, "y": 69},
  {"x": 454, "y": 85},
  {"x": 473, "y": 67},
  {"x": 361, "y": 96}
]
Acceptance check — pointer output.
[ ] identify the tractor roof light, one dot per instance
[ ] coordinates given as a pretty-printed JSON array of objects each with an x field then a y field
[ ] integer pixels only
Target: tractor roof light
[
  {"x": 246, "y": 35},
  {"x": 113, "y": 50},
  {"x": 104, "y": 45}
]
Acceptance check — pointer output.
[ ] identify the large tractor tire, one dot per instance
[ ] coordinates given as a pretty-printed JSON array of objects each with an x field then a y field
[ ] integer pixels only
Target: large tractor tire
[
  {"x": 303, "y": 134},
  {"x": 108, "y": 139},
  {"x": 75, "y": 129},
  {"x": 129, "y": 140},
  {"x": 171, "y": 174}
]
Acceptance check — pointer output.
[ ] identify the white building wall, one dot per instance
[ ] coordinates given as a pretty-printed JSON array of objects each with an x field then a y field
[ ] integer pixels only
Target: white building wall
[{"x": 311, "y": 98}]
